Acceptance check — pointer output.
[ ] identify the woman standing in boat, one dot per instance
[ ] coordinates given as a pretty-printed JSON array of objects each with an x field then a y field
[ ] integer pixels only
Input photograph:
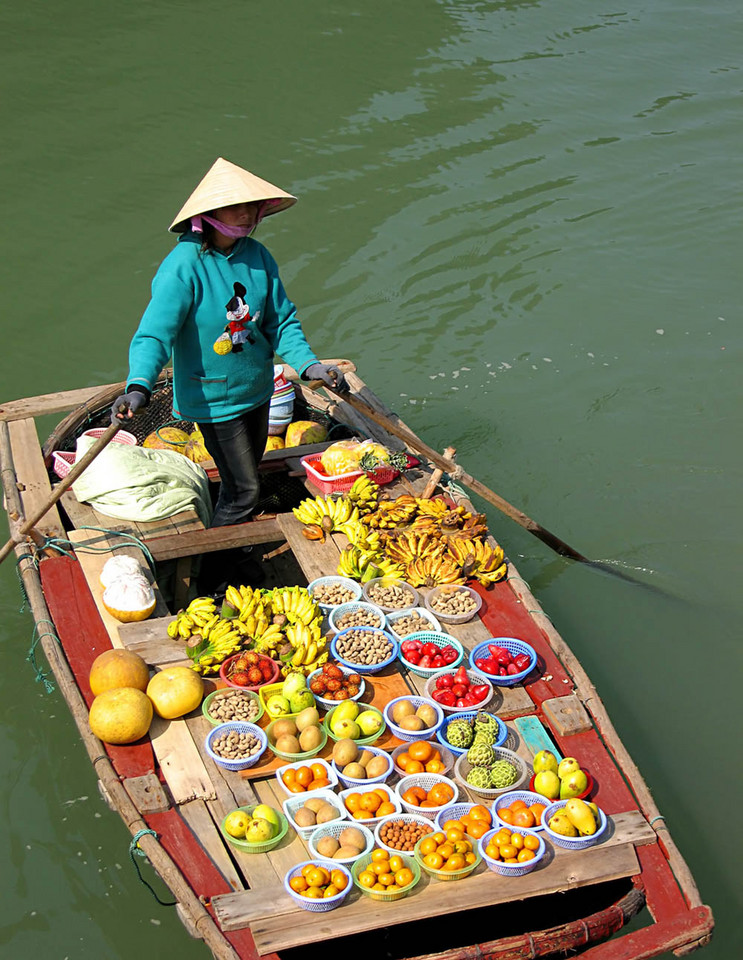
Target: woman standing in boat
[{"x": 219, "y": 308}]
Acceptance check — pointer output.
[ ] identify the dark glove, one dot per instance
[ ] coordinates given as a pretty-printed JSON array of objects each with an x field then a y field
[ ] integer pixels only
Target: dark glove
[
  {"x": 133, "y": 402},
  {"x": 331, "y": 376}
]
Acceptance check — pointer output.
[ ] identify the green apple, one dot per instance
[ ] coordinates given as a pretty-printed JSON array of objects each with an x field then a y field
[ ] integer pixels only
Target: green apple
[
  {"x": 277, "y": 706},
  {"x": 573, "y": 785},
  {"x": 346, "y": 710},
  {"x": 264, "y": 812},
  {"x": 345, "y": 729},
  {"x": 259, "y": 831},
  {"x": 236, "y": 824},
  {"x": 545, "y": 760},
  {"x": 567, "y": 766},
  {"x": 370, "y": 722},
  {"x": 548, "y": 784}
]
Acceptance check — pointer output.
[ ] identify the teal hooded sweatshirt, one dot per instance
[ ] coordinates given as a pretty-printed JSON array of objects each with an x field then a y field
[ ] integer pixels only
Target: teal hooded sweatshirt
[{"x": 191, "y": 293}]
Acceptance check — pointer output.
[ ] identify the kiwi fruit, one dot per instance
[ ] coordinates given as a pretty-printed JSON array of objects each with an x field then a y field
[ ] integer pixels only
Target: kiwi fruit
[
  {"x": 355, "y": 771},
  {"x": 310, "y": 738},
  {"x": 353, "y": 838},
  {"x": 377, "y": 766},
  {"x": 412, "y": 723},
  {"x": 402, "y": 709},
  {"x": 326, "y": 813},
  {"x": 305, "y": 818},
  {"x": 427, "y": 714},
  {"x": 344, "y": 752},
  {"x": 283, "y": 727},
  {"x": 308, "y": 717},
  {"x": 365, "y": 757},
  {"x": 327, "y": 846},
  {"x": 288, "y": 744}
]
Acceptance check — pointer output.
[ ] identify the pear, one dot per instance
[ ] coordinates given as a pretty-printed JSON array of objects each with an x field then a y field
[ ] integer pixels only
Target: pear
[
  {"x": 548, "y": 784},
  {"x": 560, "y": 823},
  {"x": 545, "y": 760},
  {"x": 573, "y": 785},
  {"x": 567, "y": 766},
  {"x": 581, "y": 816}
]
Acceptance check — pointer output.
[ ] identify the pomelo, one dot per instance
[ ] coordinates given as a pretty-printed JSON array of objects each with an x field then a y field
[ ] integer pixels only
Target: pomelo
[
  {"x": 175, "y": 691},
  {"x": 122, "y": 715},
  {"x": 304, "y": 431},
  {"x": 118, "y": 668},
  {"x": 167, "y": 438}
]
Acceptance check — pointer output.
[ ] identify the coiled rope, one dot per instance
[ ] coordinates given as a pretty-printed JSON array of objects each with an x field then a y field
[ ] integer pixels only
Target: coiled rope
[{"x": 134, "y": 852}]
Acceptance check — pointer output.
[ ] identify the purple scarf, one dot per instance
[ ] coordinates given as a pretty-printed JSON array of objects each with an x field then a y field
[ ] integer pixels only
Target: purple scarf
[{"x": 226, "y": 229}]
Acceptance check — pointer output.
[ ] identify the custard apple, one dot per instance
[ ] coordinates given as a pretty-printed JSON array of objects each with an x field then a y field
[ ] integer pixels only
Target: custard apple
[
  {"x": 479, "y": 777},
  {"x": 502, "y": 774},
  {"x": 481, "y": 754},
  {"x": 459, "y": 734},
  {"x": 486, "y": 727}
]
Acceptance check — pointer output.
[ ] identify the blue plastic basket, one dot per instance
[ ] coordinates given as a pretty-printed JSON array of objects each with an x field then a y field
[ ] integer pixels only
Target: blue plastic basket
[
  {"x": 512, "y": 869},
  {"x": 453, "y": 811},
  {"x": 514, "y": 647},
  {"x": 440, "y": 640},
  {"x": 441, "y": 732},
  {"x": 327, "y": 903},
  {"x": 363, "y": 667},
  {"x": 354, "y": 782},
  {"x": 351, "y": 585},
  {"x": 238, "y": 727},
  {"x": 506, "y": 799},
  {"x": 411, "y": 735},
  {"x": 329, "y": 704},
  {"x": 354, "y": 606},
  {"x": 572, "y": 843}
]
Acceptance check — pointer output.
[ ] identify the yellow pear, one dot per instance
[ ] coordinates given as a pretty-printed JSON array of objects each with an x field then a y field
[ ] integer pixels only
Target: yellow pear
[{"x": 581, "y": 816}]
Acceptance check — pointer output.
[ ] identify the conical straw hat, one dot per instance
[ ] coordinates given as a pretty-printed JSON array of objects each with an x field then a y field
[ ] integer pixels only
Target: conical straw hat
[{"x": 225, "y": 184}]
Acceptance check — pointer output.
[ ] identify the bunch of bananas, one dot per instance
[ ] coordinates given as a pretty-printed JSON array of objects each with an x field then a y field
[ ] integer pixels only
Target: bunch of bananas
[
  {"x": 365, "y": 565},
  {"x": 324, "y": 515},
  {"x": 271, "y": 641},
  {"x": 432, "y": 570},
  {"x": 478, "y": 559},
  {"x": 295, "y": 604},
  {"x": 309, "y": 645},
  {"x": 393, "y": 513},
  {"x": 193, "y": 619},
  {"x": 209, "y": 649},
  {"x": 364, "y": 494},
  {"x": 361, "y": 536},
  {"x": 432, "y": 507},
  {"x": 251, "y": 607},
  {"x": 408, "y": 545}
]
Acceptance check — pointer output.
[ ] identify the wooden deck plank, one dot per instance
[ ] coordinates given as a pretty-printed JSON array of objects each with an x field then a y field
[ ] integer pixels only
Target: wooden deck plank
[
  {"x": 316, "y": 559},
  {"x": 210, "y": 539},
  {"x": 197, "y": 816},
  {"x": 180, "y": 761},
  {"x": 150, "y": 640},
  {"x": 32, "y": 476},
  {"x": 564, "y": 870}
]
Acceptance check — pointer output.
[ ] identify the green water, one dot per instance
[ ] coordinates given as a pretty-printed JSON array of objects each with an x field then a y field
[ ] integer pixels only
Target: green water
[{"x": 521, "y": 220}]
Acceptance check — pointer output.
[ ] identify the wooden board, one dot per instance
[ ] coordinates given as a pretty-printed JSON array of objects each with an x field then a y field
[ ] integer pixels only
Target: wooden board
[
  {"x": 180, "y": 761},
  {"x": 273, "y": 929},
  {"x": 32, "y": 476},
  {"x": 149, "y": 638}
]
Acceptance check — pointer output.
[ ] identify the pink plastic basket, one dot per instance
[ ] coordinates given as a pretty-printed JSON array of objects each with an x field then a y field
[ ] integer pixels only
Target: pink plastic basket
[
  {"x": 64, "y": 460},
  {"x": 344, "y": 481}
]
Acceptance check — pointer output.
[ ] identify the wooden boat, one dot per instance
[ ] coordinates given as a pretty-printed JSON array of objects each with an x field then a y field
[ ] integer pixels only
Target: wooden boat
[{"x": 172, "y": 798}]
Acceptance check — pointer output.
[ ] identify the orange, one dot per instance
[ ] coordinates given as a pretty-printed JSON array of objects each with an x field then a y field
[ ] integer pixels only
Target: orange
[
  {"x": 493, "y": 851},
  {"x": 508, "y": 851},
  {"x": 361, "y": 815},
  {"x": 455, "y": 862},
  {"x": 502, "y": 836},
  {"x": 403, "y": 877},
  {"x": 453, "y": 825},
  {"x": 439, "y": 838},
  {"x": 420, "y": 750},
  {"x": 306, "y": 869},
  {"x": 428, "y": 845},
  {"x": 379, "y": 887},
  {"x": 414, "y": 796},
  {"x": 338, "y": 879},
  {"x": 478, "y": 812},
  {"x": 434, "y": 860},
  {"x": 518, "y": 805},
  {"x": 525, "y": 855},
  {"x": 318, "y": 877},
  {"x": 454, "y": 834},
  {"x": 470, "y": 857},
  {"x": 523, "y": 818},
  {"x": 378, "y": 855},
  {"x": 435, "y": 766},
  {"x": 386, "y": 879},
  {"x": 304, "y": 776},
  {"x": 298, "y": 884},
  {"x": 353, "y": 802},
  {"x": 379, "y": 867},
  {"x": 415, "y": 766},
  {"x": 314, "y": 893},
  {"x": 462, "y": 846},
  {"x": 289, "y": 776},
  {"x": 319, "y": 784},
  {"x": 430, "y": 804},
  {"x": 367, "y": 879},
  {"x": 385, "y": 809},
  {"x": 517, "y": 840},
  {"x": 446, "y": 850},
  {"x": 318, "y": 771},
  {"x": 440, "y": 794},
  {"x": 477, "y": 829},
  {"x": 396, "y": 863},
  {"x": 296, "y": 788},
  {"x": 506, "y": 815},
  {"x": 370, "y": 802},
  {"x": 531, "y": 842},
  {"x": 403, "y": 760},
  {"x": 382, "y": 794},
  {"x": 510, "y": 860},
  {"x": 538, "y": 809}
]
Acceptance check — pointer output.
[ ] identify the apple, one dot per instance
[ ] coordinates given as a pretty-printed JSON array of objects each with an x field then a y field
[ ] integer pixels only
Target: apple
[
  {"x": 567, "y": 766},
  {"x": 346, "y": 710},
  {"x": 264, "y": 812},
  {"x": 259, "y": 831},
  {"x": 548, "y": 784},
  {"x": 545, "y": 760},
  {"x": 175, "y": 691},
  {"x": 236, "y": 824},
  {"x": 345, "y": 729},
  {"x": 573, "y": 785},
  {"x": 369, "y": 722}
]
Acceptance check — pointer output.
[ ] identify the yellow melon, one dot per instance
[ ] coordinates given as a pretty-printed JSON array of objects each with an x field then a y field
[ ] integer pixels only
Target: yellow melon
[
  {"x": 118, "y": 668},
  {"x": 167, "y": 438},
  {"x": 122, "y": 715},
  {"x": 274, "y": 443},
  {"x": 304, "y": 431}
]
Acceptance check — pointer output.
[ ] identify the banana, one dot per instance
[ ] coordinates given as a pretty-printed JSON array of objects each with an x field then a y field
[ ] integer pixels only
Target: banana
[{"x": 172, "y": 629}]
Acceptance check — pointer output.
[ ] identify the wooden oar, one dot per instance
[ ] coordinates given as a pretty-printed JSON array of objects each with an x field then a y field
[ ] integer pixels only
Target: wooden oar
[
  {"x": 27, "y": 526},
  {"x": 460, "y": 476}
]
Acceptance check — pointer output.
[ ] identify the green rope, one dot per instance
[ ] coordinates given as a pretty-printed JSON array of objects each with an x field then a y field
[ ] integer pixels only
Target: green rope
[
  {"x": 135, "y": 849},
  {"x": 41, "y": 675},
  {"x": 55, "y": 543},
  {"x": 25, "y": 604}
]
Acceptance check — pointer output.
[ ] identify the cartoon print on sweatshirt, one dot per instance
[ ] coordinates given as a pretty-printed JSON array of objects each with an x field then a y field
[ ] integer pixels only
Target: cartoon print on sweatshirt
[{"x": 236, "y": 333}]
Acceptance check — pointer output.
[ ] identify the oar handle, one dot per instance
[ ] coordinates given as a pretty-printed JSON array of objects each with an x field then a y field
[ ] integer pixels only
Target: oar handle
[{"x": 101, "y": 443}]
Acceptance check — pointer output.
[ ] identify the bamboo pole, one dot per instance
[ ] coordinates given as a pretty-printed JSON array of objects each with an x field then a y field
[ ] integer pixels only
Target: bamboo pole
[{"x": 192, "y": 907}]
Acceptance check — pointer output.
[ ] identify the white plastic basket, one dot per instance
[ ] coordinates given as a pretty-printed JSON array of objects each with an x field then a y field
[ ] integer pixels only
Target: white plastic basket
[
  {"x": 475, "y": 678},
  {"x": 463, "y": 767},
  {"x": 326, "y": 903},
  {"x": 370, "y": 821},
  {"x": 297, "y": 800},
  {"x": 423, "y": 612},
  {"x": 335, "y": 829},
  {"x": 573, "y": 843},
  {"x": 377, "y": 619},
  {"x": 332, "y": 778},
  {"x": 427, "y": 781},
  {"x": 406, "y": 818},
  {"x": 349, "y": 782}
]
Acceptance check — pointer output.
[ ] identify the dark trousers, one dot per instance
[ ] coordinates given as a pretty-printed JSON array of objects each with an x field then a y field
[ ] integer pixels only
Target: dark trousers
[{"x": 236, "y": 446}]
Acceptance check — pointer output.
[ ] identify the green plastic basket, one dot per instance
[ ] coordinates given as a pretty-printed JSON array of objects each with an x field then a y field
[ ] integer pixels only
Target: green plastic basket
[
  {"x": 257, "y": 847},
  {"x": 216, "y": 694},
  {"x": 295, "y": 757},
  {"x": 385, "y": 896},
  {"x": 362, "y": 741}
]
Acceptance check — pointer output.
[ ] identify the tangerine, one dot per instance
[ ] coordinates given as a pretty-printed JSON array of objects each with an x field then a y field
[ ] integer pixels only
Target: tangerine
[
  {"x": 523, "y": 818},
  {"x": 415, "y": 766},
  {"x": 455, "y": 862},
  {"x": 319, "y": 784},
  {"x": 338, "y": 879},
  {"x": 403, "y": 877},
  {"x": 382, "y": 794},
  {"x": 289, "y": 776},
  {"x": 367, "y": 879},
  {"x": 385, "y": 809},
  {"x": 434, "y": 860},
  {"x": 353, "y": 802},
  {"x": 506, "y": 815},
  {"x": 454, "y": 825},
  {"x": 370, "y": 802},
  {"x": 298, "y": 884},
  {"x": 454, "y": 834},
  {"x": 296, "y": 787},
  {"x": 531, "y": 842},
  {"x": 318, "y": 771},
  {"x": 538, "y": 809},
  {"x": 477, "y": 829},
  {"x": 440, "y": 794},
  {"x": 421, "y": 751},
  {"x": 525, "y": 855},
  {"x": 479, "y": 812},
  {"x": 396, "y": 863},
  {"x": 518, "y": 805},
  {"x": 493, "y": 851},
  {"x": 508, "y": 851},
  {"x": 435, "y": 766},
  {"x": 304, "y": 776},
  {"x": 403, "y": 760},
  {"x": 386, "y": 879},
  {"x": 378, "y": 855}
]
